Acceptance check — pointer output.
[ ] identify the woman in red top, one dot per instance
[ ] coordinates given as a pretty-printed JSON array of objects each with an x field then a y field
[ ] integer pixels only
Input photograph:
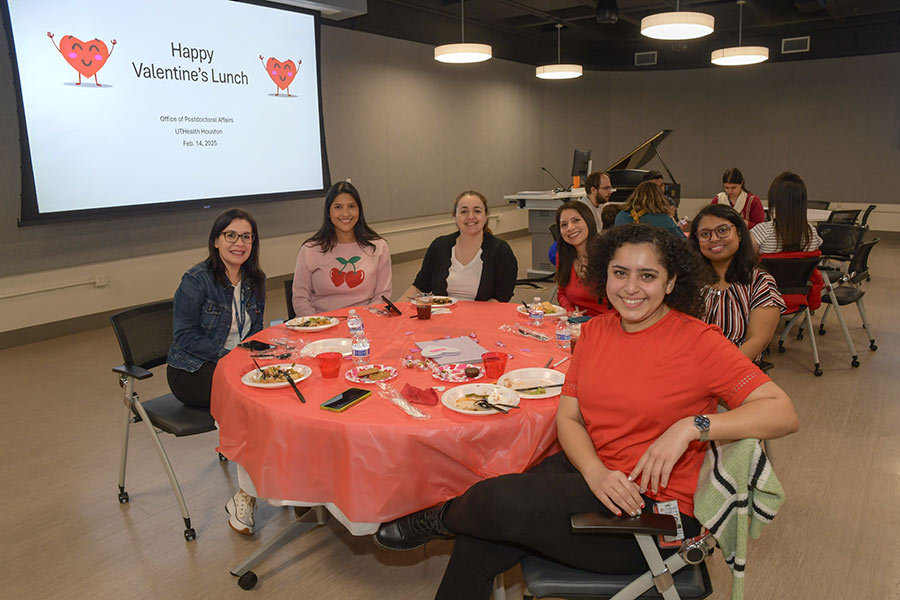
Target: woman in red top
[
  {"x": 577, "y": 231},
  {"x": 627, "y": 423}
]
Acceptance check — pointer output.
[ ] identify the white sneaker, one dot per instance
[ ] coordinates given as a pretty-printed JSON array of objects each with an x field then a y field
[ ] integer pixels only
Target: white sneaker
[{"x": 241, "y": 508}]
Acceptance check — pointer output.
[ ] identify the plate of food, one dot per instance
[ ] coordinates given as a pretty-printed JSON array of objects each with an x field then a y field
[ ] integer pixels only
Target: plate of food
[
  {"x": 476, "y": 398},
  {"x": 275, "y": 376},
  {"x": 313, "y": 323},
  {"x": 533, "y": 382},
  {"x": 443, "y": 301},
  {"x": 370, "y": 373},
  {"x": 342, "y": 345},
  {"x": 458, "y": 372},
  {"x": 550, "y": 310}
]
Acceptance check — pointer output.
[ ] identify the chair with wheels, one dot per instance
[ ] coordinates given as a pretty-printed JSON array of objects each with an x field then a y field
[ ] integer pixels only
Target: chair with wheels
[
  {"x": 839, "y": 243},
  {"x": 849, "y": 290},
  {"x": 848, "y": 217},
  {"x": 289, "y": 298},
  {"x": 145, "y": 334},
  {"x": 800, "y": 284}
]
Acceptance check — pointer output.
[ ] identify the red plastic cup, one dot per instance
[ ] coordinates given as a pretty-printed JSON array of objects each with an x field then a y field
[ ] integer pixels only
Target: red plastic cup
[
  {"x": 329, "y": 363},
  {"x": 494, "y": 364}
]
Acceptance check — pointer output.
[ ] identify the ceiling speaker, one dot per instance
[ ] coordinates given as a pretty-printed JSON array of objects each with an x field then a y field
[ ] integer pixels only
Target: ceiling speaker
[{"x": 607, "y": 12}]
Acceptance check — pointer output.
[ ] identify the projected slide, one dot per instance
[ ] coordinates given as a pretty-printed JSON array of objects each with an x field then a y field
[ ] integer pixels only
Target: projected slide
[{"x": 143, "y": 102}]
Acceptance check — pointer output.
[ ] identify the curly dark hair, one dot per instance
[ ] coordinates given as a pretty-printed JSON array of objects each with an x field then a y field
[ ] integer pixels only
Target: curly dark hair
[
  {"x": 676, "y": 256},
  {"x": 740, "y": 269}
]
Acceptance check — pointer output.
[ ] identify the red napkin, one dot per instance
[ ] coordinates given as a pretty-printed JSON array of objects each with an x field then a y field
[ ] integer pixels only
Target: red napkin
[{"x": 413, "y": 394}]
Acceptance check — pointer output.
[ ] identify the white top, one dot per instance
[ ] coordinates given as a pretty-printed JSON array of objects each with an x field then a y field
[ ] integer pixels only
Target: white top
[
  {"x": 234, "y": 338},
  {"x": 463, "y": 280},
  {"x": 768, "y": 242}
]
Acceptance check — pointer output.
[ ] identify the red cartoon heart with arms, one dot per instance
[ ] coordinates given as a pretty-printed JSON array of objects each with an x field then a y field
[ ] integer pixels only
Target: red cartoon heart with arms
[
  {"x": 282, "y": 73},
  {"x": 85, "y": 57}
]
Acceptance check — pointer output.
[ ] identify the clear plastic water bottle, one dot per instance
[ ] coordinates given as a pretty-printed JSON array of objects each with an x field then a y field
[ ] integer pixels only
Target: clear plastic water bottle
[
  {"x": 355, "y": 323},
  {"x": 563, "y": 334},
  {"x": 536, "y": 312},
  {"x": 360, "y": 348}
]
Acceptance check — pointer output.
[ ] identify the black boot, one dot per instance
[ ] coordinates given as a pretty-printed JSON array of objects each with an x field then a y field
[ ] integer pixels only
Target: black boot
[{"x": 412, "y": 531}]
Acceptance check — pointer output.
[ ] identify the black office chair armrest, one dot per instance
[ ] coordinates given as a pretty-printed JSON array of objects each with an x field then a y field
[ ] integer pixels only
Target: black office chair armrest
[
  {"x": 841, "y": 257},
  {"x": 132, "y": 371},
  {"x": 648, "y": 523}
]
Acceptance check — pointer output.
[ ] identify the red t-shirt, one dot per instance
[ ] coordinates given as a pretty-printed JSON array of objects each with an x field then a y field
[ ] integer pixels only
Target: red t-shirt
[
  {"x": 634, "y": 386},
  {"x": 575, "y": 293}
]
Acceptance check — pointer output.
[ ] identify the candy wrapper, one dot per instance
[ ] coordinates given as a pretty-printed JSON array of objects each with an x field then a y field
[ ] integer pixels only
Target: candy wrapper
[
  {"x": 389, "y": 392},
  {"x": 522, "y": 330}
]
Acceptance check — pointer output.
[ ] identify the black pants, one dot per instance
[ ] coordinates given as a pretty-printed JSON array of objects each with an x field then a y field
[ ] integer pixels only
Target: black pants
[
  {"x": 194, "y": 388},
  {"x": 498, "y": 521}
]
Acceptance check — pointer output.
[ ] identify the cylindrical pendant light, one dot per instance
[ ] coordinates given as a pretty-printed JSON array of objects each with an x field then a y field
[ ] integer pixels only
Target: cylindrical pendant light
[
  {"x": 677, "y": 25},
  {"x": 463, "y": 52},
  {"x": 559, "y": 70},
  {"x": 739, "y": 55}
]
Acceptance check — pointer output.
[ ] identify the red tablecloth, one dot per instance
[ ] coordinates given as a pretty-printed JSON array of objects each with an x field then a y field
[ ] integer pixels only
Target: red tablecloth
[{"x": 374, "y": 462}]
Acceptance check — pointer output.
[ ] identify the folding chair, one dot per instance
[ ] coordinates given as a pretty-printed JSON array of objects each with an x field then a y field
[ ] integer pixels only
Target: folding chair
[
  {"x": 818, "y": 204},
  {"x": 145, "y": 334},
  {"x": 864, "y": 221},
  {"x": 839, "y": 243},
  {"x": 849, "y": 290},
  {"x": 847, "y": 217},
  {"x": 289, "y": 297}
]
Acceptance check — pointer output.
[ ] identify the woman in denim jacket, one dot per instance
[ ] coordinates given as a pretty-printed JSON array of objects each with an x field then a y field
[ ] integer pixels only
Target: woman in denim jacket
[{"x": 219, "y": 303}]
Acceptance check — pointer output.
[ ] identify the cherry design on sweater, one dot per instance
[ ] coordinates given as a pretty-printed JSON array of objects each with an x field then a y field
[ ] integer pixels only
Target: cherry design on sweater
[{"x": 352, "y": 278}]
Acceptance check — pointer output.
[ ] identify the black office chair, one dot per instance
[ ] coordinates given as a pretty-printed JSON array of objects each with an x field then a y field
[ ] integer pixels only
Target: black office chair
[
  {"x": 817, "y": 204},
  {"x": 839, "y": 243},
  {"x": 289, "y": 298},
  {"x": 145, "y": 334},
  {"x": 864, "y": 221},
  {"x": 533, "y": 282},
  {"x": 847, "y": 217},
  {"x": 849, "y": 290}
]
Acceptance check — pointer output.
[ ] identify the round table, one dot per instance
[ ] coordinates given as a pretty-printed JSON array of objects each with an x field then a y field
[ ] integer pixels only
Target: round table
[{"x": 374, "y": 463}]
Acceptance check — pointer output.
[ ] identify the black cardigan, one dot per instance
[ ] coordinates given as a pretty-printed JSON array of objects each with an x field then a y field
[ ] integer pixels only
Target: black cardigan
[{"x": 498, "y": 275}]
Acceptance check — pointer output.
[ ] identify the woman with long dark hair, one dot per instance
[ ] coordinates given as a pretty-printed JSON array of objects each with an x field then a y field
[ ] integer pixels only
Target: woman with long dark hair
[
  {"x": 744, "y": 300},
  {"x": 735, "y": 194},
  {"x": 638, "y": 401},
  {"x": 788, "y": 231},
  {"x": 345, "y": 263},
  {"x": 577, "y": 231},
  {"x": 219, "y": 303}
]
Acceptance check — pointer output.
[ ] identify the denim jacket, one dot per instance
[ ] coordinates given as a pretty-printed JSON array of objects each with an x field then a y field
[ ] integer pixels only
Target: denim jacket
[{"x": 202, "y": 317}]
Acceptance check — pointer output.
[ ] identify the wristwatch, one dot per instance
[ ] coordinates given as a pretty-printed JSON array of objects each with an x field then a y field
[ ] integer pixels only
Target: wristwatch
[{"x": 702, "y": 423}]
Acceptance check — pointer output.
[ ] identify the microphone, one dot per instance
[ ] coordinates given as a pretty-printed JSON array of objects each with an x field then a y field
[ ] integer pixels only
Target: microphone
[{"x": 561, "y": 187}]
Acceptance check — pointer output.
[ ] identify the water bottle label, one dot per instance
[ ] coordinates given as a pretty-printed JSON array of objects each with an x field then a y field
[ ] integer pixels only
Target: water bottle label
[{"x": 563, "y": 336}]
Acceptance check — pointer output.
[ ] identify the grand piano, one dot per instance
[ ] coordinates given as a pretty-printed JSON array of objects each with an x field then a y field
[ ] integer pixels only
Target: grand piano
[{"x": 626, "y": 173}]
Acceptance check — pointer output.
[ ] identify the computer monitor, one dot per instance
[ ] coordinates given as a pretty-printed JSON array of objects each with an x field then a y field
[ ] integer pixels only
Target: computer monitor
[{"x": 581, "y": 163}]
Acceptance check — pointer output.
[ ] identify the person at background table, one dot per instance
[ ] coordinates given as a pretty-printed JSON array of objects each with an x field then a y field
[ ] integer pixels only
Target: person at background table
[
  {"x": 471, "y": 264},
  {"x": 608, "y": 215},
  {"x": 345, "y": 263},
  {"x": 577, "y": 232},
  {"x": 627, "y": 423},
  {"x": 744, "y": 301},
  {"x": 219, "y": 302},
  {"x": 648, "y": 205},
  {"x": 788, "y": 231},
  {"x": 748, "y": 205}
]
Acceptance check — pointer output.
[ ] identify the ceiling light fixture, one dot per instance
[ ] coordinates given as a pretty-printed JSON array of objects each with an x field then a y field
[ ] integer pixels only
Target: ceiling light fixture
[
  {"x": 463, "y": 52},
  {"x": 740, "y": 55},
  {"x": 558, "y": 71},
  {"x": 677, "y": 25}
]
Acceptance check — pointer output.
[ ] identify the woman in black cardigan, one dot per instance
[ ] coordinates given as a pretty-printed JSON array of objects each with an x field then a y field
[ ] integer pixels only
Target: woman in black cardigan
[{"x": 470, "y": 264}]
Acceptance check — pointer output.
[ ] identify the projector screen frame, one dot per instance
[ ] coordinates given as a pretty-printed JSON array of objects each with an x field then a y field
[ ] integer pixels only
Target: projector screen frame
[{"x": 30, "y": 214}]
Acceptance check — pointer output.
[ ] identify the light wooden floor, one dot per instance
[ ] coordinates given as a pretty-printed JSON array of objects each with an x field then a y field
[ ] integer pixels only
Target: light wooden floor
[{"x": 66, "y": 535}]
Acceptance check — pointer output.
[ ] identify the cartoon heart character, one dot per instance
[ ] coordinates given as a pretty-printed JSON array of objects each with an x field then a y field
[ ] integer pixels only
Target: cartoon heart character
[
  {"x": 352, "y": 278},
  {"x": 85, "y": 57},
  {"x": 281, "y": 72}
]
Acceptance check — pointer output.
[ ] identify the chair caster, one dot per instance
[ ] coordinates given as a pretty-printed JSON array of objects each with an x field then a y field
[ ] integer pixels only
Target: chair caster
[
  {"x": 854, "y": 363},
  {"x": 817, "y": 372},
  {"x": 248, "y": 580},
  {"x": 821, "y": 330},
  {"x": 872, "y": 346},
  {"x": 222, "y": 458},
  {"x": 800, "y": 336},
  {"x": 189, "y": 534},
  {"x": 781, "y": 347},
  {"x": 123, "y": 497}
]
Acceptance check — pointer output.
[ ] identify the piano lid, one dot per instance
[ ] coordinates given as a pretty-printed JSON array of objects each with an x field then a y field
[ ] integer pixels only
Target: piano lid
[{"x": 643, "y": 154}]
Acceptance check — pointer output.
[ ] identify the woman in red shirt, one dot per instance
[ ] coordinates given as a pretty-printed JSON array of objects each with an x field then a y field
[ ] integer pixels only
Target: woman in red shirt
[
  {"x": 577, "y": 231},
  {"x": 638, "y": 399}
]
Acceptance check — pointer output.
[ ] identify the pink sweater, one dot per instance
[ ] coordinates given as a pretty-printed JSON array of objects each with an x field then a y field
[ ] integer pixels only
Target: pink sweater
[{"x": 348, "y": 275}]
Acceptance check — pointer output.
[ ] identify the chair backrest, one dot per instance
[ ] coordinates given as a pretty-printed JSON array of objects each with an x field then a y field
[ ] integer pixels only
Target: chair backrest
[
  {"x": 843, "y": 216},
  {"x": 554, "y": 231},
  {"x": 865, "y": 218},
  {"x": 817, "y": 204},
  {"x": 144, "y": 333},
  {"x": 859, "y": 264},
  {"x": 791, "y": 274},
  {"x": 840, "y": 239},
  {"x": 289, "y": 297}
]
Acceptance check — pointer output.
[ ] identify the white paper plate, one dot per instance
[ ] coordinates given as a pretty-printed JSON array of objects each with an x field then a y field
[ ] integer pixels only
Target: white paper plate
[
  {"x": 452, "y": 396},
  {"x": 559, "y": 311},
  {"x": 342, "y": 345},
  {"x": 455, "y": 373},
  {"x": 350, "y": 375},
  {"x": 249, "y": 377},
  {"x": 297, "y": 324},
  {"x": 521, "y": 378}
]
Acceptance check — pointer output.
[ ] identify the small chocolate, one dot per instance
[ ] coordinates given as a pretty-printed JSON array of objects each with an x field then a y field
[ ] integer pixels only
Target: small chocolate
[{"x": 472, "y": 372}]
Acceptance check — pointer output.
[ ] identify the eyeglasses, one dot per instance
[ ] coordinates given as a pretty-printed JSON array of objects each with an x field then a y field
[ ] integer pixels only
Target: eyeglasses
[
  {"x": 233, "y": 236},
  {"x": 722, "y": 232}
]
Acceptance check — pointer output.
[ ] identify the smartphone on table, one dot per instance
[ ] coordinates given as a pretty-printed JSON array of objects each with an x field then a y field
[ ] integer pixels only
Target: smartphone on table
[{"x": 346, "y": 399}]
